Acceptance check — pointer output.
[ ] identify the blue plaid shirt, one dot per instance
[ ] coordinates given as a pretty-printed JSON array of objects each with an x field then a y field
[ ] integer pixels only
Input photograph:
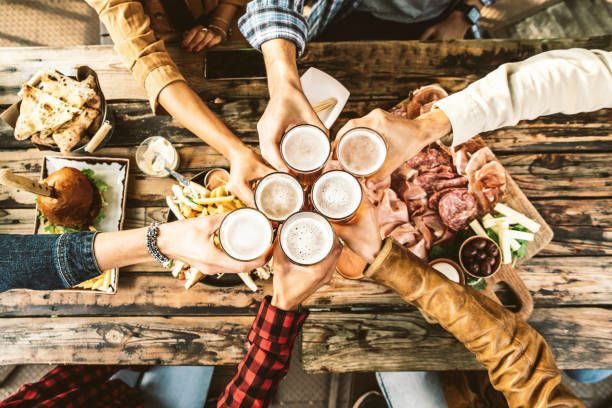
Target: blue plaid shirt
[{"x": 266, "y": 20}]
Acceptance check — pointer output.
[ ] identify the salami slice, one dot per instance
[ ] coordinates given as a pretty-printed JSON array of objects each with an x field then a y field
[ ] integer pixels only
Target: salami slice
[{"x": 457, "y": 208}]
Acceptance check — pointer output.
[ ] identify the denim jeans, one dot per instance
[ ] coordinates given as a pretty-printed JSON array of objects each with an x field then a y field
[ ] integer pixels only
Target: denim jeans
[
  {"x": 46, "y": 262},
  {"x": 171, "y": 386},
  {"x": 412, "y": 389}
]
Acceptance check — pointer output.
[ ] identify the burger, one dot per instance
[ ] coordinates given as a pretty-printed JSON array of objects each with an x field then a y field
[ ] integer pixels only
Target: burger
[{"x": 76, "y": 202}]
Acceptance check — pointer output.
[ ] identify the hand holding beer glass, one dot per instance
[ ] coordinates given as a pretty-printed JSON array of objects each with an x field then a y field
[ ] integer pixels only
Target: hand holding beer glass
[
  {"x": 293, "y": 284},
  {"x": 404, "y": 137}
]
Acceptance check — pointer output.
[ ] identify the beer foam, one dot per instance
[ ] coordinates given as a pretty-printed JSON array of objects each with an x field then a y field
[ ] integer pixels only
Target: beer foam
[
  {"x": 306, "y": 238},
  {"x": 245, "y": 234},
  {"x": 362, "y": 151},
  {"x": 278, "y": 195},
  {"x": 305, "y": 148},
  {"x": 336, "y": 194}
]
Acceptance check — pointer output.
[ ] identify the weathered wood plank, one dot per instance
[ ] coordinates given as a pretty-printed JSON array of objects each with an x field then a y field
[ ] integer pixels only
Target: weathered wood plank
[
  {"x": 372, "y": 64},
  {"x": 149, "y": 290},
  {"x": 578, "y": 337},
  {"x": 555, "y": 133},
  {"x": 132, "y": 340}
]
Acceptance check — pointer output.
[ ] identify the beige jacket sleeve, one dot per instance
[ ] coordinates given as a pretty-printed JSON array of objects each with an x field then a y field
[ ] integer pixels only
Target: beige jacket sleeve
[
  {"x": 561, "y": 81},
  {"x": 139, "y": 48}
]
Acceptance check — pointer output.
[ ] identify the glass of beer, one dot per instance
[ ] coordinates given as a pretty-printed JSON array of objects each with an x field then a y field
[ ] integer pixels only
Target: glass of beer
[
  {"x": 245, "y": 234},
  {"x": 306, "y": 238},
  {"x": 361, "y": 151},
  {"x": 305, "y": 149},
  {"x": 337, "y": 195},
  {"x": 278, "y": 195}
]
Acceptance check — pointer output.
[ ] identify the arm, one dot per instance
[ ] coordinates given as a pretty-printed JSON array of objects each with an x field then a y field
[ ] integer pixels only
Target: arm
[
  {"x": 149, "y": 61},
  {"x": 274, "y": 331},
  {"x": 562, "y": 81},
  {"x": 287, "y": 106},
  {"x": 48, "y": 262}
]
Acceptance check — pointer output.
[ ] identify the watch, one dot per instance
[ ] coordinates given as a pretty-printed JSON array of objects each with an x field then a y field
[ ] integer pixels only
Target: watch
[{"x": 471, "y": 13}]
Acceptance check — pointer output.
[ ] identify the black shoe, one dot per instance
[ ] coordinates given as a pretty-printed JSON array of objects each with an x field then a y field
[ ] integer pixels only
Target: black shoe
[{"x": 372, "y": 399}]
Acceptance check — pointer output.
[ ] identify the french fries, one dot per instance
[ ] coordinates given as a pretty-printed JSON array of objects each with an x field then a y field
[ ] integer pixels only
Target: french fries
[
  {"x": 198, "y": 201},
  {"x": 101, "y": 282}
]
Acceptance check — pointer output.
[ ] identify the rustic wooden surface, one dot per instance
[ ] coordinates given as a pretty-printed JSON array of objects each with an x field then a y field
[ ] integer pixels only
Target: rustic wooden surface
[{"x": 562, "y": 163}]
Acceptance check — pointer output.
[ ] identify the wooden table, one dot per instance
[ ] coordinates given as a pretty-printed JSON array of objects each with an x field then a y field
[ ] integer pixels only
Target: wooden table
[{"x": 563, "y": 163}]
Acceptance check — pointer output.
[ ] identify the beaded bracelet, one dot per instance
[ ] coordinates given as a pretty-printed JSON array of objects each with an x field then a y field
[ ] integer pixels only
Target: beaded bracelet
[{"x": 152, "y": 233}]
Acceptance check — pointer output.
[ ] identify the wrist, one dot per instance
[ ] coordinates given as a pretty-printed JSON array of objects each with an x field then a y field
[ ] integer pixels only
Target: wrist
[
  {"x": 168, "y": 240},
  {"x": 280, "y": 302},
  {"x": 281, "y": 66},
  {"x": 433, "y": 126}
]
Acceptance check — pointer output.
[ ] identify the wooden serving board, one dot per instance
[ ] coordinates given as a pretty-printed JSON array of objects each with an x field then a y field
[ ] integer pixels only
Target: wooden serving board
[{"x": 508, "y": 275}]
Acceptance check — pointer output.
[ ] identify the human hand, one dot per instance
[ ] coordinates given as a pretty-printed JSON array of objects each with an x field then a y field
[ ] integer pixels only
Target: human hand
[
  {"x": 454, "y": 27},
  {"x": 200, "y": 37},
  {"x": 362, "y": 234},
  {"x": 288, "y": 106},
  {"x": 293, "y": 284},
  {"x": 404, "y": 137},
  {"x": 246, "y": 167},
  {"x": 191, "y": 241}
]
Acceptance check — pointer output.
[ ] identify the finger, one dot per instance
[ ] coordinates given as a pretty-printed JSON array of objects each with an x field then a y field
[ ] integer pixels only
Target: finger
[
  {"x": 207, "y": 38},
  {"x": 195, "y": 40},
  {"x": 428, "y": 34},
  {"x": 230, "y": 265},
  {"x": 244, "y": 193},
  {"x": 189, "y": 34},
  {"x": 215, "y": 41},
  {"x": 271, "y": 152}
]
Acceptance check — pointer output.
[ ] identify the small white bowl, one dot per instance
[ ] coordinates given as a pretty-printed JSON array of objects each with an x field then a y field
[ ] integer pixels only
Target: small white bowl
[{"x": 318, "y": 86}]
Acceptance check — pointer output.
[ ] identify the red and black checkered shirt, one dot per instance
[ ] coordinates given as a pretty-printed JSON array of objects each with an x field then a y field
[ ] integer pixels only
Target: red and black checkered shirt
[{"x": 259, "y": 374}]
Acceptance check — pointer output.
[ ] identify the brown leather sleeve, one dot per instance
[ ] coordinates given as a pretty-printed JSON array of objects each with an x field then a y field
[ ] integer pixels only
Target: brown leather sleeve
[
  {"x": 518, "y": 360},
  {"x": 143, "y": 53}
]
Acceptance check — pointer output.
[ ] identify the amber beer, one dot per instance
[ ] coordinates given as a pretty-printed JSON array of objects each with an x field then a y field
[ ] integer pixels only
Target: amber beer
[
  {"x": 246, "y": 234},
  {"x": 306, "y": 238},
  {"x": 337, "y": 195},
  {"x": 278, "y": 195},
  {"x": 361, "y": 151},
  {"x": 305, "y": 150}
]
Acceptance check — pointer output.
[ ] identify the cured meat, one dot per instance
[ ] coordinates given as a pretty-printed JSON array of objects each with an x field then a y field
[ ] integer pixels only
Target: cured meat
[
  {"x": 425, "y": 232},
  {"x": 478, "y": 159},
  {"x": 419, "y": 249},
  {"x": 420, "y": 101},
  {"x": 428, "y": 158},
  {"x": 406, "y": 234},
  {"x": 416, "y": 207},
  {"x": 457, "y": 209},
  {"x": 375, "y": 194},
  {"x": 391, "y": 212},
  {"x": 405, "y": 172},
  {"x": 410, "y": 191},
  {"x": 450, "y": 183},
  {"x": 435, "y": 198}
]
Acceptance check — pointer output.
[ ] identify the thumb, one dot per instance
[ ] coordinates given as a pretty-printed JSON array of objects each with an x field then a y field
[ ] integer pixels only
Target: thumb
[{"x": 244, "y": 193}]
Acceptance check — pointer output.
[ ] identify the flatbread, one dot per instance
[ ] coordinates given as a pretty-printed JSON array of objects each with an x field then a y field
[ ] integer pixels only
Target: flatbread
[
  {"x": 67, "y": 89},
  {"x": 41, "y": 112},
  {"x": 70, "y": 134},
  {"x": 43, "y": 140},
  {"x": 95, "y": 103}
]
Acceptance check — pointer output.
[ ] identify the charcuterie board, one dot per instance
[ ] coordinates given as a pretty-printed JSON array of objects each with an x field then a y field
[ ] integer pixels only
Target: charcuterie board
[{"x": 522, "y": 302}]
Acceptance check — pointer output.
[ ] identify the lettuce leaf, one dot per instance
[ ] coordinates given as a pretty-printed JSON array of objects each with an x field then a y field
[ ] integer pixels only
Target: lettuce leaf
[{"x": 98, "y": 182}]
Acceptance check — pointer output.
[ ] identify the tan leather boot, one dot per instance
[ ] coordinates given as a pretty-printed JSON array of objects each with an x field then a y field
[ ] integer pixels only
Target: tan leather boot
[{"x": 518, "y": 360}]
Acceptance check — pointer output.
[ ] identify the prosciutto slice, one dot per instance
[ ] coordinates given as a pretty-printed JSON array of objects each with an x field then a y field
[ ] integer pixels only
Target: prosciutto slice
[
  {"x": 421, "y": 101},
  {"x": 406, "y": 234},
  {"x": 391, "y": 212}
]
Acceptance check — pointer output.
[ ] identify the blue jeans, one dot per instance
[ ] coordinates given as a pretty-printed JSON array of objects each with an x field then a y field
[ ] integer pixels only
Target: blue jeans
[
  {"x": 171, "y": 386},
  {"x": 412, "y": 389},
  {"x": 588, "y": 376},
  {"x": 47, "y": 261}
]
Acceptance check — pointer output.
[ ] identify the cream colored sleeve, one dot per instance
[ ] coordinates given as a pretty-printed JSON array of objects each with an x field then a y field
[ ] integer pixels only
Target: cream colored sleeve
[
  {"x": 561, "y": 81},
  {"x": 143, "y": 53}
]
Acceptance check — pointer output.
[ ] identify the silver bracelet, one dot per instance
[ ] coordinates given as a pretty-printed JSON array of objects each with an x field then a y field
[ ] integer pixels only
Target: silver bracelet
[{"x": 152, "y": 233}]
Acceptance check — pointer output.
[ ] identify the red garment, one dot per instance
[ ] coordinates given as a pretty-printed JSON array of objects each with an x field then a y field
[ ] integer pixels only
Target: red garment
[
  {"x": 259, "y": 374},
  {"x": 267, "y": 361}
]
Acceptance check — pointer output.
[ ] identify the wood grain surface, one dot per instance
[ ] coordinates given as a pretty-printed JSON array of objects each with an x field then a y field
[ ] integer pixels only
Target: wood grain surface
[{"x": 562, "y": 164}]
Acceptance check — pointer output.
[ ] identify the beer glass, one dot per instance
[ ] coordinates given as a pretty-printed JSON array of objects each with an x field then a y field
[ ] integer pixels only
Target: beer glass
[
  {"x": 246, "y": 234},
  {"x": 305, "y": 149},
  {"x": 278, "y": 195},
  {"x": 337, "y": 195},
  {"x": 306, "y": 238},
  {"x": 361, "y": 151}
]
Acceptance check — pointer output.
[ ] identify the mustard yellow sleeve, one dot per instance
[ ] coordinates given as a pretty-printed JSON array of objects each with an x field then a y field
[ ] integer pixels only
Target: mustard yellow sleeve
[{"x": 135, "y": 41}]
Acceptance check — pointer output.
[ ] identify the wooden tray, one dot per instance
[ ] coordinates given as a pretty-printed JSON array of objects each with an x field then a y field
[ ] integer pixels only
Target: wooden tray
[{"x": 507, "y": 274}]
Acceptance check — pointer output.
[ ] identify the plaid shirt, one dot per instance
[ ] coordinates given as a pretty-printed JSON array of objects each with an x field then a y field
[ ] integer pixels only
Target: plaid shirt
[
  {"x": 259, "y": 374},
  {"x": 267, "y": 361},
  {"x": 266, "y": 20}
]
